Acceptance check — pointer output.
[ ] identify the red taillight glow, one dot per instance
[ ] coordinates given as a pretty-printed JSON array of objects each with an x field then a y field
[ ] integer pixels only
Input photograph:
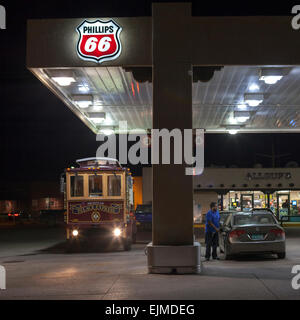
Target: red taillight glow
[
  {"x": 236, "y": 233},
  {"x": 9, "y": 215},
  {"x": 277, "y": 232},
  {"x": 16, "y": 214}
]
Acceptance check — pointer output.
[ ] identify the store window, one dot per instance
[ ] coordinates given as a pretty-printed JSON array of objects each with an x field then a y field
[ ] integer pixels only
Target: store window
[
  {"x": 76, "y": 186},
  {"x": 247, "y": 201},
  {"x": 220, "y": 202},
  {"x": 260, "y": 200},
  {"x": 226, "y": 202},
  {"x": 273, "y": 202},
  {"x": 95, "y": 186},
  {"x": 234, "y": 201},
  {"x": 295, "y": 203},
  {"x": 244, "y": 200},
  {"x": 282, "y": 204},
  {"x": 114, "y": 185}
]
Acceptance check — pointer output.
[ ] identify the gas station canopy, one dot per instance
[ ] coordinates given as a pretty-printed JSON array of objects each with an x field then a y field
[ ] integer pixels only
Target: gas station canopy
[
  {"x": 253, "y": 82},
  {"x": 221, "y": 74},
  {"x": 235, "y": 98}
]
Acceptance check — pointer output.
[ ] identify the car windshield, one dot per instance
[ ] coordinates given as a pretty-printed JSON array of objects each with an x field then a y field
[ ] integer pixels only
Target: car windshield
[
  {"x": 253, "y": 219},
  {"x": 143, "y": 208}
]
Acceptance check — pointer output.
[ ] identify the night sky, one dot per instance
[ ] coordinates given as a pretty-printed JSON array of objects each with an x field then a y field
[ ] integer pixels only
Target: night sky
[{"x": 40, "y": 136}]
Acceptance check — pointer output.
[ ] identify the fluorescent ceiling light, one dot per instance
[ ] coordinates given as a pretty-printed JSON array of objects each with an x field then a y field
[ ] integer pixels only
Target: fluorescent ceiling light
[
  {"x": 233, "y": 129},
  {"x": 241, "y": 116},
  {"x": 84, "y": 88},
  {"x": 253, "y": 99},
  {"x": 242, "y": 106},
  {"x": 97, "y": 107},
  {"x": 232, "y": 120},
  {"x": 83, "y": 100},
  {"x": 109, "y": 120},
  {"x": 243, "y": 119},
  {"x": 83, "y": 104},
  {"x": 64, "y": 81},
  {"x": 97, "y": 120},
  {"x": 107, "y": 132},
  {"x": 270, "y": 79},
  {"x": 97, "y": 117},
  {"x": 254, "y": 103},
  {"x": 271, "y": 75},
  {"x": 64, "y": 77},
  {"x": 254, "y": 87}
]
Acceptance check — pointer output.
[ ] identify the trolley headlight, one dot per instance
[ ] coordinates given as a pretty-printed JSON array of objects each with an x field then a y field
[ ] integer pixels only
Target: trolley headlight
[
  {"x": 75, "y": 233},
  {"x": 117, "y": 232}
]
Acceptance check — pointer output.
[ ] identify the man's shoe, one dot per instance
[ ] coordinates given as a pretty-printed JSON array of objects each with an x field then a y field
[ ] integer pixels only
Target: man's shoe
[
  {"x": 216, "y": 258},
  {"x": 206, "y": 259}
]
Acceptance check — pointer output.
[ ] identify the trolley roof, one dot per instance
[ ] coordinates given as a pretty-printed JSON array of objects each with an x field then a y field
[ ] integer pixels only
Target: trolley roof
[{"x": 97, "y": 164}]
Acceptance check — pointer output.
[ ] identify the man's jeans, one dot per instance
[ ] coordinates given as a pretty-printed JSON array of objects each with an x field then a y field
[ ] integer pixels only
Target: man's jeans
[{"x": 211, "y": 240}]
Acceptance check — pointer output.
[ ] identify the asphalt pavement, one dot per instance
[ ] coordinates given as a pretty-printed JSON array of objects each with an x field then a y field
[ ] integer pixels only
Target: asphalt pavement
[{"x": 37, "y": 267}]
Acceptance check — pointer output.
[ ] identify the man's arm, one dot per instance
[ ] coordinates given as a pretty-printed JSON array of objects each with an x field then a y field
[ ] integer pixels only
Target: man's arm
[
  {"x": 212, "y": 225},
  {"x": 209, "y": 221}
]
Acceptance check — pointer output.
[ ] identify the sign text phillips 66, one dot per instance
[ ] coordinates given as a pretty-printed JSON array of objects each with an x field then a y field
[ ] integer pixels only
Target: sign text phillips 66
[{"x": 99, "y": 40}]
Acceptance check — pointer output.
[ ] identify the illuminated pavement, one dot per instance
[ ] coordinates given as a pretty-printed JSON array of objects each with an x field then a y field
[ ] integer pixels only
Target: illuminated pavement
[{"x": 53, "y": 274}]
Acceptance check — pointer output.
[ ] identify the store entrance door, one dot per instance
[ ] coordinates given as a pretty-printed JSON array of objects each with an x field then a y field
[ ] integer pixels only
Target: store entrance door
[
  {"x": 247, "y": 202},
  {"x": 283, "y": 206}
]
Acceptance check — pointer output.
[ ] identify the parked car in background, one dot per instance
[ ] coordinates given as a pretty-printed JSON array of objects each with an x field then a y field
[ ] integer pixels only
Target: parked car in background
[
  {"x": 51, "y": 217},
  {"x": 251, "y": 233},
  {"x": 143, "y": 216},
  {"x": 18, "y": 216}
]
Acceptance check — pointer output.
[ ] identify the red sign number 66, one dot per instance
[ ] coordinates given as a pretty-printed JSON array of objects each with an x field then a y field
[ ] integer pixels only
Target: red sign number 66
[{"x": 103, "y": 44}]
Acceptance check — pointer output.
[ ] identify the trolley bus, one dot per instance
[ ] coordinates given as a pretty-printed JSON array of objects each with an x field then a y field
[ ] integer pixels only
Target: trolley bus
[{"x": 99, "y": 200}]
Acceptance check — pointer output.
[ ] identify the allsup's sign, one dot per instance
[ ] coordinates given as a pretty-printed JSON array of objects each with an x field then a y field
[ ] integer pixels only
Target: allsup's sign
[
  {"x": 268, "y": 175},
  {"x": 99, "y": 40}
]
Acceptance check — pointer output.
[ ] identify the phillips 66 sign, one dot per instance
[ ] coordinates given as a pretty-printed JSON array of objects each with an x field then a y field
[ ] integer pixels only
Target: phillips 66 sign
[{"x": 99, "y": 40}]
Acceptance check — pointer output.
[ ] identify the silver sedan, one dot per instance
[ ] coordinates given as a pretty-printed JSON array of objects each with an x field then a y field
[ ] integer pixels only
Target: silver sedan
[{"x": 251, "y": 232}]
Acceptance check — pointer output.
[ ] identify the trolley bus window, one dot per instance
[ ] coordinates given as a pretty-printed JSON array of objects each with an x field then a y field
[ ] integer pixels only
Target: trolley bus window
[
  {"x": 95, "y": 186},
  {"x": 76, "y": 186},
  {"x": 114, "y": 185}
]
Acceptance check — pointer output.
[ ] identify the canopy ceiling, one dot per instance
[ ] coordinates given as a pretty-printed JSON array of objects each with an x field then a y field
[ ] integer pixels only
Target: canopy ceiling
[{"x": 218, "y": 105}]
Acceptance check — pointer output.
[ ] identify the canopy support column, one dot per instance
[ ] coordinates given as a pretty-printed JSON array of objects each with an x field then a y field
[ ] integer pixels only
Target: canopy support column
[{"x": 172, "y": 248}]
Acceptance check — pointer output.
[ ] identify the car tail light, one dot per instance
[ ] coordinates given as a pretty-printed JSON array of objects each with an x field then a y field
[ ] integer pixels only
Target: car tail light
[
  {"x": 16, "y": 214},
  {"x": 236, "y": 233},
  {"x": 9, "y": 214},
  {"x": 278, "y": 233}
]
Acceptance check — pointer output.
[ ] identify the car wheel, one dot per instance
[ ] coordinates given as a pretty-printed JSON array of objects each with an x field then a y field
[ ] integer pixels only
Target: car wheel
[
  {"x": 226, "y": 255},
  {"x": 281, "y": 255}
]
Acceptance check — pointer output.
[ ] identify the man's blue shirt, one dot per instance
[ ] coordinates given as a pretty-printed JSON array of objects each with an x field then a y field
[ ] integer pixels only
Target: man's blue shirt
[{"x": 214, "y": 218}]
